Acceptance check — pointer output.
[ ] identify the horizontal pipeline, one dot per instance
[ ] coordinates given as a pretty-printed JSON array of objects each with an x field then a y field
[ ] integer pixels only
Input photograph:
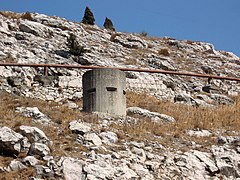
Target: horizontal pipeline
[{"x": 123, "y": 69}]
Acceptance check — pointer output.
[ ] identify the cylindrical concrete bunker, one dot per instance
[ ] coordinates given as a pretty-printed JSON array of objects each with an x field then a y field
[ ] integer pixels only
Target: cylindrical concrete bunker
[{"x": 104, "y": 91}]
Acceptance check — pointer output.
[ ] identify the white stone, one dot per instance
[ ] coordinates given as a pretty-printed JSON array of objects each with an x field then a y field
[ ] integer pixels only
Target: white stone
[
  {"x": 79, "y": 127},
  {"x": 199, "y": 133},
  {"x": 108, "y": 137},
  {"x": 10, "y": 141},
  {"x": 15, "y": 165},
  {"x": 94, "y": 170},
  {"x": 205, "y": 158},
  {"x": 72, "y": 168},
  {"x": 93, "y": 138},
  {"x": 35, "y": 28},
  {"x": 30, "y": 160},
  {"x": 34, "y": 113},
  {"x": 35, "y": 134},
  {"x": 39, "y": 149},
  {"x": 153, "y": 115}
]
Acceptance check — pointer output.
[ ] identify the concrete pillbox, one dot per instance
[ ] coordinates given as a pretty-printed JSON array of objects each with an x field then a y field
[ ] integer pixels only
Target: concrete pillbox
[{"x": 104, "y": 91}]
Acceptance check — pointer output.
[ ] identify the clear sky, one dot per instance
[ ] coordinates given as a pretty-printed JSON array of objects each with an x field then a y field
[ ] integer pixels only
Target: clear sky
[{"x": 214, "y": 21}]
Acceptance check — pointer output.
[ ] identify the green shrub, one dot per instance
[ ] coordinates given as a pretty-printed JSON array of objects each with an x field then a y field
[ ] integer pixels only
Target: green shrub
[
  {"x": 88, "y": 17},
  {"x": 144, "y": 33},
  {"x": 108, "y": 24},
  {"x": 74, "y": 47}
]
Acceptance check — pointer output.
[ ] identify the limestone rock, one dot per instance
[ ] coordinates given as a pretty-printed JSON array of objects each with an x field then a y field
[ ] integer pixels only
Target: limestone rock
[
  {"x": 15, "y": 165},
  {"x": 141, "y": 155},
  {"x": 157, "y": 117},
  {"x": 39, "y": 149},
  {"x": 185, "y": 98},
  {"x": 222, "y": 99},
  {"x": 44, "y": 171},
  {"x": 161, "y": 64},
  {"x": 10, "y": 141},
  {"x": 95, "y": 171},
  {"x": 108, "y": 137},
  {"x": 142, "y": 171},
  {"x": 93, "y": 138},
  {"x": 199, "y": 133},
  {"x": 30, "y": 161},
  {"x": 70, "y": 81},
  {"x": 124, "y": 172},
  {"x": 34, "y": 134},
  {"x": 229, "y": 140},
  {"x": 130, "y": 41},
  {"x": 34, "y": 113},
  {"x": 15, "y": 81},
  {"x": 72, "y": 168},
  {"x": 79, "y": 127},
  {"x": 227, "y": 161},
  {"x": 71, "y": 105},
  {"x": 35, "y": 28},
  {"x": 205, "y": 158}
]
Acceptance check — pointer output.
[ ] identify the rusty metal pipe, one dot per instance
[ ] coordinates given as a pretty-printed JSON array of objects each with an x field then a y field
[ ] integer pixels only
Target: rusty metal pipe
[{"x": 124, "y": 69}]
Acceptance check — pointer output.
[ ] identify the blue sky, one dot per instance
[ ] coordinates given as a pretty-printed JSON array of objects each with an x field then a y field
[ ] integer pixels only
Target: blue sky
[{"x": 214, "y": 21}]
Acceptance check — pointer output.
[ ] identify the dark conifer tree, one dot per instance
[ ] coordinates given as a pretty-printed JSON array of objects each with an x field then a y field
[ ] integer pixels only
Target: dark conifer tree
[
  {"x": 74, "y": 47},
  {"x": 108, "y": 24},
  {"x": 88, "y": 17}
]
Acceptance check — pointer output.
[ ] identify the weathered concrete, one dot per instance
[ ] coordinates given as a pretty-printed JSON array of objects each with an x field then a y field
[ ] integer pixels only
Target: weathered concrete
[{"x": 104, "y": 91}]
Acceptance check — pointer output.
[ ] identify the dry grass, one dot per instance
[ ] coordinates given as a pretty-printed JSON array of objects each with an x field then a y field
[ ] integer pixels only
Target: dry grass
[
  {"x": 59, "y": 133},
  {"x": 164, "y": 52},
  {"x": 131, "y": 61},
  {"x": 187, "y": 117},
  {"x": 14, "y": 15},
  {"x": 21, "y": 174},
  {"x": 172, "y": 135}
]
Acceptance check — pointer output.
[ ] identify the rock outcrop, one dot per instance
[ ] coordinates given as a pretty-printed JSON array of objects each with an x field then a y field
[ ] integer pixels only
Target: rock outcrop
[{"x": 96, "y": 147}]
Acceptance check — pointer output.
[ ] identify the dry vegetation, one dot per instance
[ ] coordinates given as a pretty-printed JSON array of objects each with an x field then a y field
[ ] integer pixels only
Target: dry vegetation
[
  {"x": 171, "y": 135},
  {"x": 164, "y": 52},
  {"x": 189, "y": 117},
  {"x": 14, "y": 15},
  {"x": 220, "y": 118}
]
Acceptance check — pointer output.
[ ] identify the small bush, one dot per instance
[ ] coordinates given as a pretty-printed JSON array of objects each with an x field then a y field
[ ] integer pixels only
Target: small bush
[
  {"x": 108, "y": 24},
  {"x": 27, "y": 16},
  {"x": 113, "y": 36},
  {"x": 74, "y": 47},
  {"x": 144, "y": 33},
  {"x": 164, "y": 52},
  {"x": 88, "y": 17}
]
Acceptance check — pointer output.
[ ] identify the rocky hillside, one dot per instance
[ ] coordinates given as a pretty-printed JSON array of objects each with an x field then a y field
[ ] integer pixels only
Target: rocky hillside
[{"x": 177, "y": 127}]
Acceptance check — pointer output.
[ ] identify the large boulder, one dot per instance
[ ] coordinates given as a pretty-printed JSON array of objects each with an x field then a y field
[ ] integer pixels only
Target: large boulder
[
  {"x": 10, "y": 141},
  {"x": 34, "y": 134},
  {"x": 39, "y": 149},
  {"x": 93, "y": 138},
  {"x": 228, "y": 161},
  {"x": 15, "y": 165},
  {"x": 72, "y": 168},
  {"x": 34, "y": 28},
  {"x": 108, "y": 137},
  {"x": 185, "y": 98},
  {"x": 130, "y": 41},
  {"x": 222, "y": 99},
  {"x": 156, "y": 117},
  {"x": 35, "y": 114},
  {"x": 79, "y": 127}
]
